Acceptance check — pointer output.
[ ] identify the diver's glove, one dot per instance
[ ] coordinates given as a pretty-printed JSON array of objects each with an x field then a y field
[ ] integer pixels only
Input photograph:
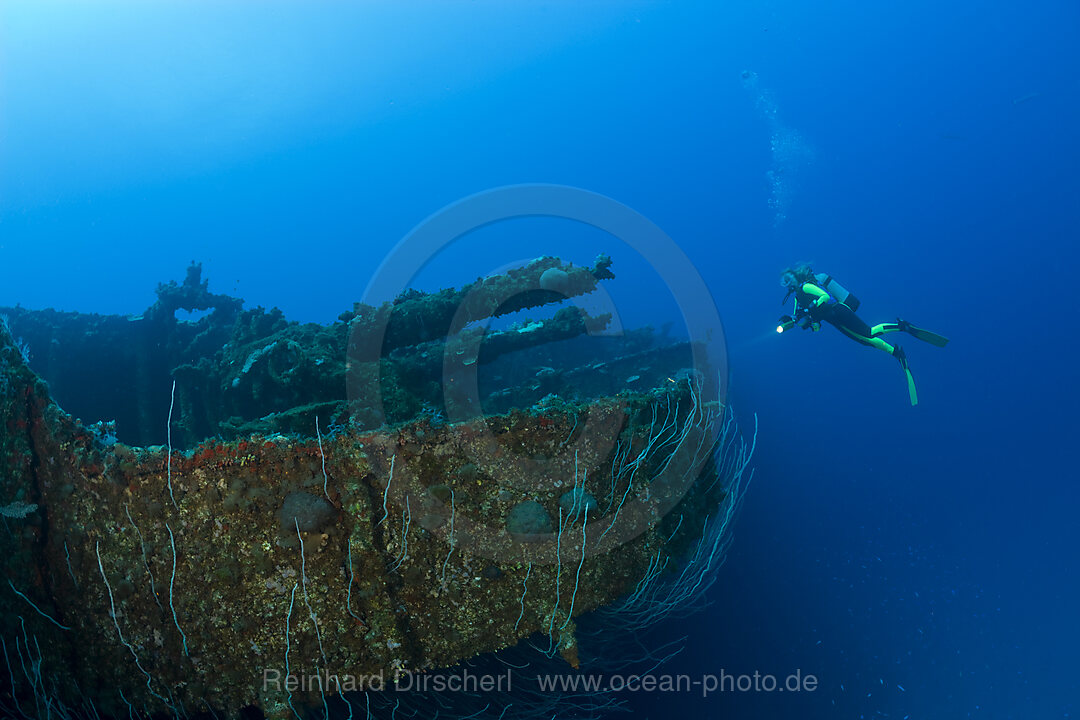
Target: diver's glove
[{"x": 822, "y": 300}]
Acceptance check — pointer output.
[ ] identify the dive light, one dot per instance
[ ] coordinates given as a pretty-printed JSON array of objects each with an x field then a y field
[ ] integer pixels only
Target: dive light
[{"x": 786, "y": 322}]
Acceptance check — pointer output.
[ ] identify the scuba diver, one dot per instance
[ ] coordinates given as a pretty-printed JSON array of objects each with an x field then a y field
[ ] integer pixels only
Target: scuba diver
[{"x": 819, "y": 297}]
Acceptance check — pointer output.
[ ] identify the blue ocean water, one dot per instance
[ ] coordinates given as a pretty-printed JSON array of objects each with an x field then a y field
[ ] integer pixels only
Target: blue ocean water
[{"x": 920, "y": 562}]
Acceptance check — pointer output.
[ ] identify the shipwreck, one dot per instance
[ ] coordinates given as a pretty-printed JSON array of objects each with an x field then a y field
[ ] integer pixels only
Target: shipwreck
[{"x": 204, "y": 499}]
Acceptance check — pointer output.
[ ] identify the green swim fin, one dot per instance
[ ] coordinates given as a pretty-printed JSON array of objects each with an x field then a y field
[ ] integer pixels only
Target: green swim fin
[
  {"x": 924, "y": 335},
  {"x": 899, "y": 354},
  {"x": 911, "y": 387}
]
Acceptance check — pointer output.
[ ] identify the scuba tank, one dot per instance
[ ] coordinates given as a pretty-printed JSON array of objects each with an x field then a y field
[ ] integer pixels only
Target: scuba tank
[{"x": 826, "y": 283}]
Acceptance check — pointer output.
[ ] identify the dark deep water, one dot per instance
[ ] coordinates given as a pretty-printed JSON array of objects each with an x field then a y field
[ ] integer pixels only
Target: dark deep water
[{"x": 918, "y": 561}]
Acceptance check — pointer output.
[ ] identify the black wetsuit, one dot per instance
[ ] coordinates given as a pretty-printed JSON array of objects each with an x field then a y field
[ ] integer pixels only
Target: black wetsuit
[
  {"x": 818, "y": 304},
  {"x": 833, "y": 312}
]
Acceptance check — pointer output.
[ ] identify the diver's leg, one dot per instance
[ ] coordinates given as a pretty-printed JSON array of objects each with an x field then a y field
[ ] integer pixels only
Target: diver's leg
[
  {"x": 895, "y": 350},
  {"x": 851, "y": 325},
  {"x": 856, "y": 328},
  {"x": 874, "y": 342},
  {"x": 882, "y": 328}
]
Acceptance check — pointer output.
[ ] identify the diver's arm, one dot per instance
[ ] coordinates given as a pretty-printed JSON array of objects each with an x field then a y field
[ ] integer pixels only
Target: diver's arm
[{"x": 820, "y": 296}]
